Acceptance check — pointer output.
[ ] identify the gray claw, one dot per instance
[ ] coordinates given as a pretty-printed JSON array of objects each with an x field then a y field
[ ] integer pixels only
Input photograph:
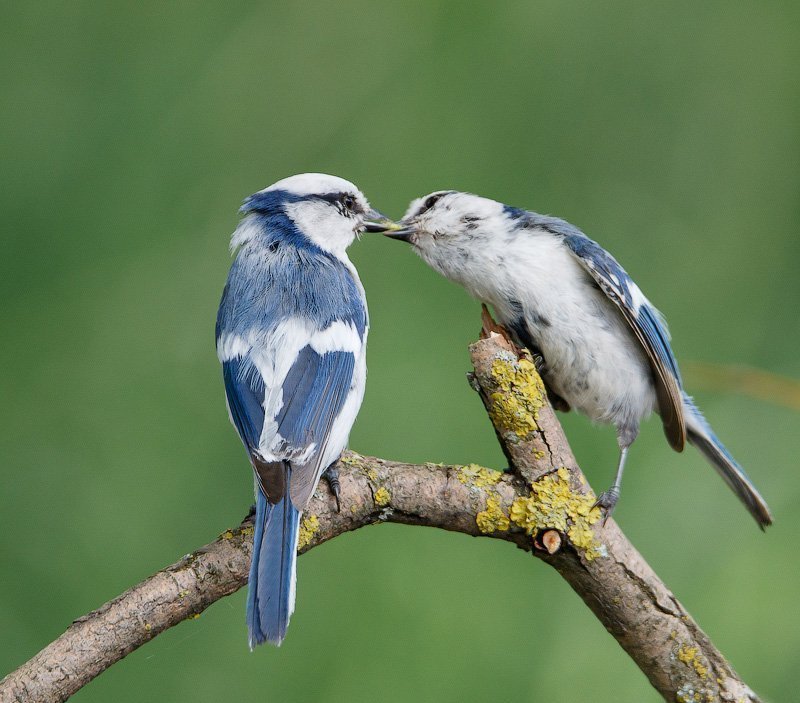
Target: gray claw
[
  {"x": 332, "y": 476},
  {"x": 539, "y": 363},
  {"x": 607, "y": 501}
]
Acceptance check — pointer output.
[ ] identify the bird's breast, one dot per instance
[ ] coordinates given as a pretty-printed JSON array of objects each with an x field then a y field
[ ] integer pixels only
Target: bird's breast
[{"x": 592, "y": 358}]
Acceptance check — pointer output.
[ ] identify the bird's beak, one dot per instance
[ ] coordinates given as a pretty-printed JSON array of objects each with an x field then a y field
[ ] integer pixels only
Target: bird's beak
[
  {"x": 375, "y": 221},
  {"x": 402, "y": 231}
]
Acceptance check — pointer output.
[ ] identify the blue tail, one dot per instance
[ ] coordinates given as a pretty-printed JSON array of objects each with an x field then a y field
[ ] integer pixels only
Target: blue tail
[
  {"x": 702, "y": 436},
  {"x": 270, "y": 597}
]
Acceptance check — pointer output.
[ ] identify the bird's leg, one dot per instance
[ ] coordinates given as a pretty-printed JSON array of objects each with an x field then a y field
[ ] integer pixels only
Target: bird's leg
[
  {"x": 607, "y": 500},
  {"x": 332, "y": 477}
]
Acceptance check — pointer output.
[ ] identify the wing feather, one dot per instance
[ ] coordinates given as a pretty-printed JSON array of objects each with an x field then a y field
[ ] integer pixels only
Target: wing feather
[
  {"x": 314, "y": 392},
  {"x": 647, "y": 325}
]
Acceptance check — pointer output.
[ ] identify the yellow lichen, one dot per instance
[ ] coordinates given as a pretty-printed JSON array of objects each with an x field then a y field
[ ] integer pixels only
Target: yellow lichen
[
  {"x": 493, "y": 518},
  {"x": 515, "y": 407},
  {"x": 687, "y": 693},
  {"x": 359, "y": 463},
  {"x": 689, "y": 656},
  {"x": 553, "y": 504},
  {"x": 478, "y": 476},
  {"x": 228, "y": 534},
  {"x": 247, "y": 532},
  {"x": 309, "y": 526},
  {"x": 193, "y": 616},
  {"x": 351, "y": 460},
  {"x": 382, "y": 497}
]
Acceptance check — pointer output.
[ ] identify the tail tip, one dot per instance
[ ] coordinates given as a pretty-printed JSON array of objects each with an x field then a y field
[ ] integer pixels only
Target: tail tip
[
  {"x": 764, "y": 520},
  {"x": 257, "y": 637}
]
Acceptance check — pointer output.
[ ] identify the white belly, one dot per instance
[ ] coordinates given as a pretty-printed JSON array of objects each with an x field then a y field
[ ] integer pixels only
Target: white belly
[{"x": 592, "y": 358}]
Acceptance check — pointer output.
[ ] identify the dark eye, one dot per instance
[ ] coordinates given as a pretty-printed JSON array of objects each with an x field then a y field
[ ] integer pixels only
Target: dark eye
[
  {"x": 349, "y": 202},
  {"x": 431, "y": 200}
]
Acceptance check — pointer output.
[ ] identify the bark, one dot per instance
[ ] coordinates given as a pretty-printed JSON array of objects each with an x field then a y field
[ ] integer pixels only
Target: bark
[{"x": 543, "y": 505}]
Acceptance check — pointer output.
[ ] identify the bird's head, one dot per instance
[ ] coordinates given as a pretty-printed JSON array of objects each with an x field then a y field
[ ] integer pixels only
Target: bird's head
[
  {"x": 328, "y": 211},
  {"x": 447, "y": 228}
]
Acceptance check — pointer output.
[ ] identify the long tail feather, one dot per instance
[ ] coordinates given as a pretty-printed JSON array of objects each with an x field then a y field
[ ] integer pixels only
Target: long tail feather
[
  {"x": 701, "y": 435},
  {"x": 270, "y": 597}
]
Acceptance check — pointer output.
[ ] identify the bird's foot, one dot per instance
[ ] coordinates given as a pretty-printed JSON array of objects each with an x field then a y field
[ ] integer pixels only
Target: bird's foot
[
  {"x": 539, "y": 362},
  {"x": 332, "y": 477},
  {"x": 607, "y": 501}
]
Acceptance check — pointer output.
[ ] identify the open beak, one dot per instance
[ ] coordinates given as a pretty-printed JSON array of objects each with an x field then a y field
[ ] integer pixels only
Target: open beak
[{"x": 375, "y": 221}]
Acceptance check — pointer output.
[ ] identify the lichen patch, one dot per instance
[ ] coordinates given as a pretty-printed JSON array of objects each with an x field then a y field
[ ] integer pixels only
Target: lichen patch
[
  {"x": 493, "y": 518},
  {"x": 515, "y": 406},
  {"x": 690, "y": 656},
  {"x": 478, "y": 476},
  {"x": 552, "y": 504},
  {"x": 309, "y": 526}
]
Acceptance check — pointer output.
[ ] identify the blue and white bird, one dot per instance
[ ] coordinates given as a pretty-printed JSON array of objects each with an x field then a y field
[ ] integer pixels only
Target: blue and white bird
[
  {"x": 602, "y": 348},
  {"x": 292, "y": 336}
]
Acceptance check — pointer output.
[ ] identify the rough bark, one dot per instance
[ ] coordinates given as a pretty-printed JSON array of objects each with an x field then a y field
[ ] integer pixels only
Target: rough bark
[
  {"x": 621, "y": 589},
  {"x": 543, "y": 506}
]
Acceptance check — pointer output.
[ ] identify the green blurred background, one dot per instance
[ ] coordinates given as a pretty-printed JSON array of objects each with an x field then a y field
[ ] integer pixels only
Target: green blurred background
[{"x": 131, "y": 132}]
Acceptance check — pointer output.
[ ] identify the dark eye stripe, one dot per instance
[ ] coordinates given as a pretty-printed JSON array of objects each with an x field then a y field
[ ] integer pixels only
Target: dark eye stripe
[{"x": 338, "y": 201}]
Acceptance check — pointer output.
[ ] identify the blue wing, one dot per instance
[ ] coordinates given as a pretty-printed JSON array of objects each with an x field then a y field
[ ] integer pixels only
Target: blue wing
[
  {"x": 244, "y": 389},
  {"x": 313, "y": 393},
  {"x": 647, "y": 325}
]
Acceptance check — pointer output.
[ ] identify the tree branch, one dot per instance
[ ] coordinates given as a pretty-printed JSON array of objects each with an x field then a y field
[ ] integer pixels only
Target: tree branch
[{"x": 544, "y": 506}]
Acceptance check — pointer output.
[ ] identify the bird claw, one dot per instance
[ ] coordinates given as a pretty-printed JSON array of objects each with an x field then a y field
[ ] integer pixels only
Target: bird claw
[
  {"x": 332, "y": 477},
  {"x": 607, "y": 501},
  {"x": 539, "y": 363}
]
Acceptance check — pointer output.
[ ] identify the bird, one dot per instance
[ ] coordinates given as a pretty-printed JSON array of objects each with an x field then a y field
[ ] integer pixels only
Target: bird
[
  {"x": 291, "y": 335},
  {"x": 599, "y": 344}
]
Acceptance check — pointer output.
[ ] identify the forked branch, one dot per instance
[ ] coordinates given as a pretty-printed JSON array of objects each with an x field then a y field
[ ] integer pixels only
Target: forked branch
[{"x": 543, "y": 505}]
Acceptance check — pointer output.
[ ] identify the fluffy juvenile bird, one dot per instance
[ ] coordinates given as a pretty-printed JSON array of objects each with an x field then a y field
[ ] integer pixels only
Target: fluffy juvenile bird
[
  {"x": 602, "y": 347},
  {"x": 292, "y": 335}
]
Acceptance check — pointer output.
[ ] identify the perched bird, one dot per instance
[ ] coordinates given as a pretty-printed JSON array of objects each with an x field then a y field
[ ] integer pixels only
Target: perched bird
[
  {"x": 291, "y": 335},
  {"x": 601, "y": 346}
]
